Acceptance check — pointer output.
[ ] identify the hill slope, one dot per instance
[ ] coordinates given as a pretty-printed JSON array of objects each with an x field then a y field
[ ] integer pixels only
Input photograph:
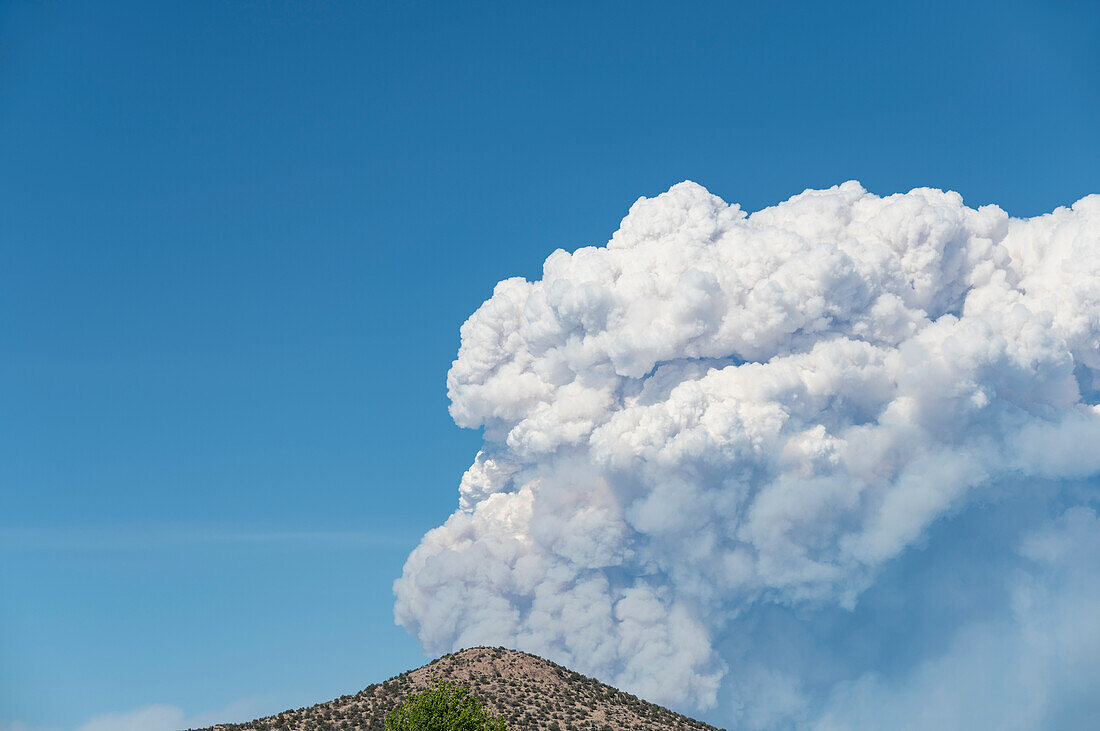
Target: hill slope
[{"x": 530, "y": 692}]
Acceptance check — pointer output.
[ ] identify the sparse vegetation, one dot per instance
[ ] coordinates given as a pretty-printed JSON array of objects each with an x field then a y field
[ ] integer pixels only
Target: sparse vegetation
[{"x": 527, "y": 692}]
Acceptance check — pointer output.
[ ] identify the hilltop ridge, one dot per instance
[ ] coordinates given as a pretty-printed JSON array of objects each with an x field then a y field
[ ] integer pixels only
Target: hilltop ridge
[{"x": 530, "y": 692}]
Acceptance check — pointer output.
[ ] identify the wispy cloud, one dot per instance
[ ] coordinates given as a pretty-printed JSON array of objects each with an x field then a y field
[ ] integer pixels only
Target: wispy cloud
[
  {"x": 130, "y": 538},
  {"x": 20, "y": 726},
  {"x": 160, "y": 717},
  {"x": 172, "y": 718}
]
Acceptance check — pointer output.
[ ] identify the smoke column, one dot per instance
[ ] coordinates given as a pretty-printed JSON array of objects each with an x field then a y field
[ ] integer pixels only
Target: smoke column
[{"x": 813, "y": 466}]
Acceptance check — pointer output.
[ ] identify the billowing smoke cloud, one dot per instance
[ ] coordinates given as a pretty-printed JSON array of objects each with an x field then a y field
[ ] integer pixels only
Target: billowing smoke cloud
[{"x": 715, "y": 442}]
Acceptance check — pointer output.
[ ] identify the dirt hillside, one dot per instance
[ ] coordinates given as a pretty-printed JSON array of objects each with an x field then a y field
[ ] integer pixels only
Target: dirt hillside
[{"x": 528, "y": 691}]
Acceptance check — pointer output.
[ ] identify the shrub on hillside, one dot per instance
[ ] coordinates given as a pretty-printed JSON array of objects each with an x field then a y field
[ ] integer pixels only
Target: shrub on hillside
[{"x": 443, "y": 707}]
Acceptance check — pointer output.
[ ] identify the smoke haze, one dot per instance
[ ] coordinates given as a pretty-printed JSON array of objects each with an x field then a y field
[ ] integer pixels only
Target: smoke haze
[{"x": 813, "y": 466}]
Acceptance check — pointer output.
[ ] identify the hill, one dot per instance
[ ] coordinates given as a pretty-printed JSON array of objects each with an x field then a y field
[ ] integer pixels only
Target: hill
[{"x": 530, "y": 692}]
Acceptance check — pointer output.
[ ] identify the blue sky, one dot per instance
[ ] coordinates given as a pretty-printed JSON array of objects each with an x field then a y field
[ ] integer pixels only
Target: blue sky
[{"x": 239, "y": 240}]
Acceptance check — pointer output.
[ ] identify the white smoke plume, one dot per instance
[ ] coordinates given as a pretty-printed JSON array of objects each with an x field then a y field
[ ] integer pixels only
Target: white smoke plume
[{"x": 718, "y": 420}]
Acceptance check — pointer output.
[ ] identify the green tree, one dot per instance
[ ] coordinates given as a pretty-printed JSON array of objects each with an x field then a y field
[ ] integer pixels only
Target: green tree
[{"x": 443, "y": 707}]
